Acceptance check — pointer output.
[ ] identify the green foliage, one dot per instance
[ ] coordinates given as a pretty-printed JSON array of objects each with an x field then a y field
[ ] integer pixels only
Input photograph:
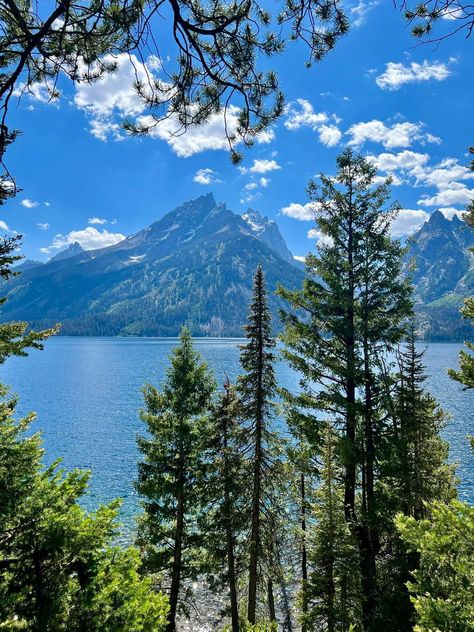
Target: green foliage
[
  {"x": 256, "y": 388},
  {"x": 333, "y": 588},
  {"x": 56, "y": 572},
  {"x": 443, "y": 584},
  {"x": 14, "y": 337},
  {"x": 171, "y": 474}
]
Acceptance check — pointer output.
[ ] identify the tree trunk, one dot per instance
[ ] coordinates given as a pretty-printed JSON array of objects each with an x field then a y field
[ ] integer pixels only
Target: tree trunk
[
  {"x": 257, "y": 482},
  {"x": 234, "y": 606},
  {"x": 304, "y": 555},
  {"x": 178, "y": 548},
  {"x": 367, "y": 532},
  {"x": 271, "y": 600},
  {"x": 350, "y": 430},
  {"x": 255, "y": 531}
]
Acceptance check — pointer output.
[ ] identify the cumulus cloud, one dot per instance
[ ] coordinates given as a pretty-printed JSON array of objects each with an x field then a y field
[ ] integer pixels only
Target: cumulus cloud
[
  {"x": 324, "y": 240},
  {"x": 27, "y": 203},
  {"x": 301, "y": 212},
  {"x": 408, "y": 221},
  {"x": 329, "y": 135},
  {"x": 89, "y": 238},
  {"x": 113, "y": 97},
  {"x": 300, "y": 258},
  {"x": 42, "y": 225},
  {"x": 114, "y": 90},
  {"x": 264, "y": 182},
  {"x": 396, "y": 74},
  {"x": 455, "y": 193},
  {"x": 262, "y": 166},
  {"x": 211, "y": 135},
  {"x": 4, "y": 226},
  {"x": 205, "y": 176},
  {"x": 37, "y": 91},
  {"x": 443, "y": 174},
  {"x": 97, "y": 220},
  {"x": 390, "y": 136},
  {"x": 405, "y": 160},
  {"x": 300, "y": 113}
]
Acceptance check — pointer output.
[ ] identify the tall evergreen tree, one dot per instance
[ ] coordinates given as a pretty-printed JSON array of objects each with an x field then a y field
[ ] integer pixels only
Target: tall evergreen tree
[
  {"x": 226, "y": 519},
  {"x": 414, "y": 473},
  {"x": 170, "y": 475},
  {"x": 256, "y": 388},
  {"x": 333, "y": 588},
  {"x": 350, "y": 312}
]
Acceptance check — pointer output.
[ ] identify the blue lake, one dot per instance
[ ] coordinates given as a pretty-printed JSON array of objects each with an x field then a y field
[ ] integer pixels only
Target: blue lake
[{"x": 87, "y": 394}]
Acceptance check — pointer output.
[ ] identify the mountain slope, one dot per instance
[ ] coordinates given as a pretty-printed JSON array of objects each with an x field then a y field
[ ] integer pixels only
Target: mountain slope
[
  {"x": 443, "y": 275},
  {"x": 194, "y": 266}
]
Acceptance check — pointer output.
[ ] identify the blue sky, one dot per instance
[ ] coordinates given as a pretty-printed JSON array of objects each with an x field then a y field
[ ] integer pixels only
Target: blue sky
[{"x": 407, "y": 106}]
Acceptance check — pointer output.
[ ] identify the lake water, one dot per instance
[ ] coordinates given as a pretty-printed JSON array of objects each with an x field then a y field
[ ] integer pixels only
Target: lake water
[{"x": 87, "y": 394}]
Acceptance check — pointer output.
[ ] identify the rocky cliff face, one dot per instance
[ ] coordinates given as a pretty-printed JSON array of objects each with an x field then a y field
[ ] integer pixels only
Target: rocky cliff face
[
  {"x": 267, "y": 230},
  {"x": 440, "y": 250}
]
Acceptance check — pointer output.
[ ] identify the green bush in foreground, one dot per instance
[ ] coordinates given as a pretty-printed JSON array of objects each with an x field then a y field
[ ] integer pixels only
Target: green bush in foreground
[{"x": 443, "y": 584}]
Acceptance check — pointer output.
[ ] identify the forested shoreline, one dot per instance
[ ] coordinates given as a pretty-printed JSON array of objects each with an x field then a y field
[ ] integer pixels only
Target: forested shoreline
[{"x": 346, "y": 522}]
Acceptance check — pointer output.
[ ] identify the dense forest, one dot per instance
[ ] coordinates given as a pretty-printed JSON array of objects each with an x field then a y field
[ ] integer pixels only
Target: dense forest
[{"x": 331, "y": 508}]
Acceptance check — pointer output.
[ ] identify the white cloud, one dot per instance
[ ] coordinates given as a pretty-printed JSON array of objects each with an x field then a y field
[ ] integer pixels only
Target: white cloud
[
  {"x": 301, "y": 212},
  {"x": 262, "y": 166},
  {"x": 114, "y": 90},
  {"x": 27, "y": 203},
  {"x": 360, "y": 11},
  {"x": 300, "y": 113},
  {"x": 405, "y": 160},
  {"x": 47, "y": 203},
  {"x": 97, "y": 220},
  {"x": 396, "y": 74},
  {"x": 443, "y": 174},
  {"x": 4, "y": 226},
  {"x": 390, "y": 136},
  {"x": 300, "y": 258},
  {"x": 264, "y": 182},
  {"x": 89, "y": 238},
  {"x": 113, "y": 97},
  {"x": 250, "y": 186},
  {"x": 455, "y": 193},
  {"x": 324, "y": 240},
  {"x": 329, "y": 135},
  {"x": 43, "y": 226},
  {"x": 210, "y": 135},
  {"x": 408, "y": 221},
  {"x": 205, "y": 176},
  {"x": 37, "y": 91}
]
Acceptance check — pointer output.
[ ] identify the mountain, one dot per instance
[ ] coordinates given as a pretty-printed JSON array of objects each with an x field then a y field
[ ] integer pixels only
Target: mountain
[
  {"x": 267, "y": 230},
  {"x": 443, "y": 275},
  {"x": 71, "y": 251},
  {"x": 194, "y": 265}
]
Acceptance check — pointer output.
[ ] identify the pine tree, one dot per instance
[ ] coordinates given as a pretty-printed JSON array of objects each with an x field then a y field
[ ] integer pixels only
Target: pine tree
[
  {"x": 333, "y": 588},
  {"x": 414, "y": 471},
  {"x": 225, "y": 520},
  {"x": 172, "y": 468},
  {"x": 256, "y": 388},
  {"x": 349, "y": 313}
]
